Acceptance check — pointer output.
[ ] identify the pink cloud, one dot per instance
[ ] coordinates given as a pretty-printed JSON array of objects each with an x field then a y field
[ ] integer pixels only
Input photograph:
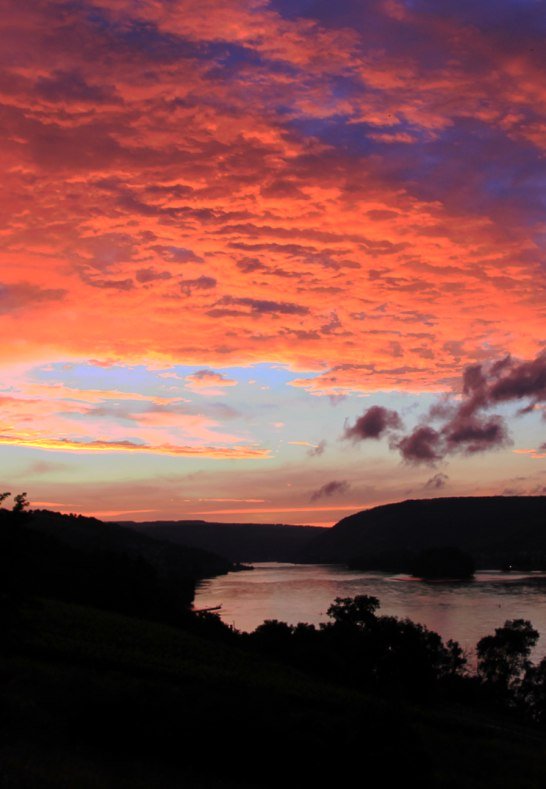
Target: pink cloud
[
  {"x": 68, "y": 445},
  {"x": 208, "y": 382}
]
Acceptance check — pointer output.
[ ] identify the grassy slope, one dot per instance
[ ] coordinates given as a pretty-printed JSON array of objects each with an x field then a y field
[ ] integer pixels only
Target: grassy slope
[{"x": 92, "y": 699}]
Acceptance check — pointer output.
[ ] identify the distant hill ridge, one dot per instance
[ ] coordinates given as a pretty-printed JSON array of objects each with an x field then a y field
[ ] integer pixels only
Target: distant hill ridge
[
  {"x": 495, "y": 530},
  {"x": 238, "y": 542}
]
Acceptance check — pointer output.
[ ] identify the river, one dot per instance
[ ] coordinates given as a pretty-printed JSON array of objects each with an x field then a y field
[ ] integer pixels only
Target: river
[{"x": 464, "y": 611}]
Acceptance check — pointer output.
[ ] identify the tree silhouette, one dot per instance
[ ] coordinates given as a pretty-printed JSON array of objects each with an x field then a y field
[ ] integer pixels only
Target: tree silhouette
[
  {"x": 356, "y": 611},
  {"x": 21, "y": 502},
  {"x": 531, "y": 694},
  {"x": 503, "y": 658}
]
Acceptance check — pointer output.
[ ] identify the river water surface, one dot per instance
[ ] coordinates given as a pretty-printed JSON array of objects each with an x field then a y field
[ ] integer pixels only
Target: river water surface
[{"x": 464, "y": 611}]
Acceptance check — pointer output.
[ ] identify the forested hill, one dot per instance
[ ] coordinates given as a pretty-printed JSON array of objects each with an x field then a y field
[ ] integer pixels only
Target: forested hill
[
  {"x": 79, "y": 557},
  {"x": 238, "y": 542},
  {"x": 495, "y": 530},
  {"x": 92, "y": 534}
]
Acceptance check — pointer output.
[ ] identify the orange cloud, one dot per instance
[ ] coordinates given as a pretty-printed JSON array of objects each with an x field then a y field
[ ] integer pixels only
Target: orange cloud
[
  {"x": 168, "y": 200},
  {"x": 534, "y": 454}
]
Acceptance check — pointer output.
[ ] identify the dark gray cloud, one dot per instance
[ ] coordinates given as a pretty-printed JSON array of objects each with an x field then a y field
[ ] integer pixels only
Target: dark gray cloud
[
  {"x": 174, "y": 254},
  {"x": 252, "y": 265},
  {"x": 461, "y": 433},
  {"x": 146, "y": 275},
  {"x": 436, "y": 482},
  {"x": 374, "y": 423},
  {"x": 15, "y": 296},
  {"x": 332, "y": 325},
  {"x": 264, "y": 306},
  {"x": 475, "y": 434},
  {"x": 249, "y": 265},
  {"x": 187, "y": 286},
  {"x": 333, "y": 488},
  {"x": 114, "y": 284},
  {"x": 515, "y": 381},
  {"x": 421, "y": 446}
]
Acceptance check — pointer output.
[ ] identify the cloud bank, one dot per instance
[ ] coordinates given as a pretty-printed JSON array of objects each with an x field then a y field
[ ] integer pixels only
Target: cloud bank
[
  {"x": 352, "y": 190},
  {"x": 463, "y": 425}
]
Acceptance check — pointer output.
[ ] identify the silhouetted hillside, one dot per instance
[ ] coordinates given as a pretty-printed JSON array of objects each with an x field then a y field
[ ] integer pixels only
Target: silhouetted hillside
[
  {"x": 495, "y": 531},
  {"x": 83, "y": 559},
  {"x": 238, "y": 542},
  {"x": 93, "y": 534}
]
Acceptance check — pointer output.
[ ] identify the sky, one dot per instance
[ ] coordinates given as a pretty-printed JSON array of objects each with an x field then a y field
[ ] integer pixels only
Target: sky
[{"x": 271, "y": 260}]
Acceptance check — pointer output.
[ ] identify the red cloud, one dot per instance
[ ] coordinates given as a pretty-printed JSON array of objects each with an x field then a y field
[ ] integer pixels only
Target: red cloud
[{"x": 292, "y": 168}]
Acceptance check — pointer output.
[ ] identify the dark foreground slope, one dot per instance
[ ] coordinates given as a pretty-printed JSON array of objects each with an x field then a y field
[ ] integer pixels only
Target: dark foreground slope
[
  {"x": 93, "y": 699},
  {"x": 238, "y": 542},
  {"x": 495, "y": 530}
]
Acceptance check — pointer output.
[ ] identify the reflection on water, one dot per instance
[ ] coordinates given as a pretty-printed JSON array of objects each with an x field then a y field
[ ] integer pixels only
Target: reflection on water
[{"x": 463, "y": 610}]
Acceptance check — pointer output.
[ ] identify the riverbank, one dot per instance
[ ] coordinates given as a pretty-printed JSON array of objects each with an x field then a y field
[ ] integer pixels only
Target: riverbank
[{"x": 464, "y": 611}]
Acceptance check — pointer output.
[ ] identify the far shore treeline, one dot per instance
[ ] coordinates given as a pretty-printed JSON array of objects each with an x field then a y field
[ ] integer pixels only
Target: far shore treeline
[{"x": 105, "y": 662}]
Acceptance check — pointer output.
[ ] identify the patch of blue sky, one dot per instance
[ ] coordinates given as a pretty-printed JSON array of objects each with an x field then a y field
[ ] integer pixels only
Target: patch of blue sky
[
  {"x": 528, "y": 431},
  {"x": 337, "y": 132},
  {"x": 157, "y": 45},
  {"x": 263, "y": 409},
  {"x": 341, "y": 87},
  {"x": 301, "y": 417},
  {"x": 138, "y": 378},
  {"x": 266, "y": 374},
  {"x": 141, "y": 36},
  {"x": 143, "y": 380},
  {"x": 229, "y": 59},
  {"x": 510, "y": 172},
  {"x": 231, "y": 55},
  {"x": 360, "y": 138},
  {"x": 339, "y": 14},
  {"x": 379, "y": 30},
  {"x": 292, "y": 9},
  {"x": 263, "y": 394},
  {"x": 344, "y": 86},
  {"x": 515, "y": 16}
]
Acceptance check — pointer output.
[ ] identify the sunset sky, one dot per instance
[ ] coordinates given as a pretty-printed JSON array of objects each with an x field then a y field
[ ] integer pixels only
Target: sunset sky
[{"x": 271, "y": 260}]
